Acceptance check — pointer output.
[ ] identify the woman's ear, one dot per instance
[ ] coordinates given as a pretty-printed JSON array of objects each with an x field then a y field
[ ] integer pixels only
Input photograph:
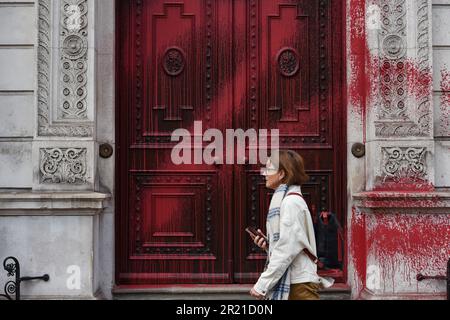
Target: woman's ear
[{"x": 281, "y": 175}]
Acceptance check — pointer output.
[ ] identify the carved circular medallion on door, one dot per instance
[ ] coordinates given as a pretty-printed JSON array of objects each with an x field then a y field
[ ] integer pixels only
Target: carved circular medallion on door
[
  {"x": 174, "y": 61},
  {"x": 288, "y": 62}
]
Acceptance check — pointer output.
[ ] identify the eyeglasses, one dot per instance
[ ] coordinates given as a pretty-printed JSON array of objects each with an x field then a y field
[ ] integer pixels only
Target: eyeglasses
[{"x": 268, "y": 171}]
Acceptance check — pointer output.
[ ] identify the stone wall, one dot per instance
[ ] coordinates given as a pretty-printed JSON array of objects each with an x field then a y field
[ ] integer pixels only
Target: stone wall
[
  {"x": 398, "y": 222},
  {"x": 17, "y": 92},
  {"x": 441, "y": 89},
  {"x": 52, "y": 216}
]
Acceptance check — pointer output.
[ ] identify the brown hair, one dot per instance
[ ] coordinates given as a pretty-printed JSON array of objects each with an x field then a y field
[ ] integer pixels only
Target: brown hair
[{"x": 292, "y": 164}]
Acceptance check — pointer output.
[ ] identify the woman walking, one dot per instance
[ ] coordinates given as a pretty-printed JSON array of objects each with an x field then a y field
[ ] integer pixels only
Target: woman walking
[{"x": 291, "y": 270}]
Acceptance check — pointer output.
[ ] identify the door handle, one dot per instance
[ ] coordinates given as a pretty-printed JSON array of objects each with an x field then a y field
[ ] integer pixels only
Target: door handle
[
  {"x": 358, "y": 150},
  {"x": 106, "y": 151}
]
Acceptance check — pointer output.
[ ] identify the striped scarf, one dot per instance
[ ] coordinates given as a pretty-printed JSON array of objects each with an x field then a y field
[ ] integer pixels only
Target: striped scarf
[{"x": 281, "y": 289}]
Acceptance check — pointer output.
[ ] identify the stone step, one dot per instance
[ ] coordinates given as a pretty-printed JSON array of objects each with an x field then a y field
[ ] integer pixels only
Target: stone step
[{"x": 208, "y": 292}]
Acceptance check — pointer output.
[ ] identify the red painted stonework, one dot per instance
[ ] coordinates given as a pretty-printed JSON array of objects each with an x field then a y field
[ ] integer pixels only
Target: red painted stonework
[
  {"x": 420, "y": 82},
  {"x": 359, "y": 85},
  {"x": 393, "y": 201},
  {"x": 358, "y": 252},
  {"x": 405, "y": 185},
  {"x": 404, "y": 233},
  {"x": 403, "y": 245},
  {"x": 386, "y": 227}
]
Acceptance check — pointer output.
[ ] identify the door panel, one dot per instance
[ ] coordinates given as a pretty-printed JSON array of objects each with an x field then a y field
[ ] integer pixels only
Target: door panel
[
  {"x": 262, "y": 64},
  {"x": 173, "y": 218},
  {"x": 288, "y": 85}
]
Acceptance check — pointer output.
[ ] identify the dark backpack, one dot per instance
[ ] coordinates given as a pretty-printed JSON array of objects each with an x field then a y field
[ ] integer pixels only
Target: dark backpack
[{"x": 328, "y": 234}]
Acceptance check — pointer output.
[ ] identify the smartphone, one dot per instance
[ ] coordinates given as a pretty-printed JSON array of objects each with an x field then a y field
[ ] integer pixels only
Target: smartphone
[{"x": 254, "y": 233}]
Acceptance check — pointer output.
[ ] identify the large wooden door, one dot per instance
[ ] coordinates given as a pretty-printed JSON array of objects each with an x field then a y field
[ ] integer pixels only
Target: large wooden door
[{"x": 262, "y": 64}]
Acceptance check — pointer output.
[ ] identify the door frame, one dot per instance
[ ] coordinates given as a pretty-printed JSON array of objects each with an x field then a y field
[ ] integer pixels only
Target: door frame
[{"x": 339, "y": 85}]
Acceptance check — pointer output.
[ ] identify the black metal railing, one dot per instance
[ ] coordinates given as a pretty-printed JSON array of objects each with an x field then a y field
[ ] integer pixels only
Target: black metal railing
[
  {"x": 421, "y": 277},
  {"x": 12, "y": 287}
]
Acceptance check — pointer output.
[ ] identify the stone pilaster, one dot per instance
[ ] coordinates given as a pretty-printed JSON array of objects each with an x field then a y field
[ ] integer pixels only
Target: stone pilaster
[
  {"x": 398, "y": 220},
  {"x": 400, "y": 146},
  {"x": 64, "y": 148}
]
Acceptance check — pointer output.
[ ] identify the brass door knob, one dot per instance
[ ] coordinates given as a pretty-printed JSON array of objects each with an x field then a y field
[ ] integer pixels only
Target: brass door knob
[
  {"x": 106, "y": 151},
  {"x": 358, "y": 150}
]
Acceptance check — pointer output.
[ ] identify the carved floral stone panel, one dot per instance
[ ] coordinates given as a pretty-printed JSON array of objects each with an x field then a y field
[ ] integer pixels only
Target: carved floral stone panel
[
  {"x": 404, "y": 162},
  {"x": 63, "y": 166}
]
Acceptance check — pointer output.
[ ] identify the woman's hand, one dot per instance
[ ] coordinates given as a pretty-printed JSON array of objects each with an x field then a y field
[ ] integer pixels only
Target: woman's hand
[
  {"x": 256, "y": 295},
  {"x": 260, "y": 242}
]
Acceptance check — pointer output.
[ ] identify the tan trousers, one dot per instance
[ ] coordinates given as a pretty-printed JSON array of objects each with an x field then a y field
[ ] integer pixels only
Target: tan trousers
[{"x": 304, "y": 291}]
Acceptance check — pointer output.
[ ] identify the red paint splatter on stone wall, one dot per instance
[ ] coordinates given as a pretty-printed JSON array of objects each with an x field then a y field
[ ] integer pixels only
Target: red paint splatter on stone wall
[
  {"x": 400, "y": 79},
  {"x": 420, "y": 81},
  {"x": 445, "y": 102},
  {"x": 404, "y": 244},
  {"x": 405, "y": 185},
  {"x": 407, "y": 244},
  {"x": 393, "y": 83},
  {"x": 358, "y": 252},
  {"x": 411, "y": 200}
]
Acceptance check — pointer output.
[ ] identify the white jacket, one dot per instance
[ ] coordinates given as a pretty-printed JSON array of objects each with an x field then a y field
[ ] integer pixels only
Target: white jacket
[{"x": 296, "y": 234}]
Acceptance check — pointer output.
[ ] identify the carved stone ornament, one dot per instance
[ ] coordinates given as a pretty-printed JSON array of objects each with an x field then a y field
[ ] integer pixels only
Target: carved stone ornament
[
  {"x": 404, "y": 162},
  {"x": 72, "y": 64},
  {"x": 63, "y": 166},
  {"x": 74, "y": 48},
  {"x": 393, "y": 75},
  {"x": 394, "y": 46},
  {"x": 397, "y": 116}
]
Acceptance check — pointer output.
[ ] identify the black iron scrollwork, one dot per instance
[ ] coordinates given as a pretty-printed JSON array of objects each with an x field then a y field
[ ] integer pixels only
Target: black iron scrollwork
[{"x": 12, "y": 287}]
